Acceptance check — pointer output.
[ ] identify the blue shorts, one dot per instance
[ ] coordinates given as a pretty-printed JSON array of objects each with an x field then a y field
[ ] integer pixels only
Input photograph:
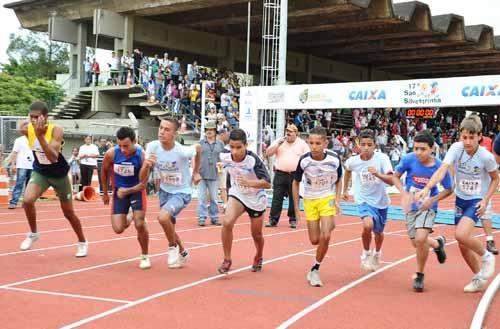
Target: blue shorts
[
  {"x": 136, "y": 201},
  {"x": 174, "y": 203},
  {"x": 379, "y": 216},
  {"x": 466, "y": 208}
]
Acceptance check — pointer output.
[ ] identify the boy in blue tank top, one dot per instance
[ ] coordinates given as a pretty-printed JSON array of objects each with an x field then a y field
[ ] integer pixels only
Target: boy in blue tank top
[{"x": 124, "y": 162}]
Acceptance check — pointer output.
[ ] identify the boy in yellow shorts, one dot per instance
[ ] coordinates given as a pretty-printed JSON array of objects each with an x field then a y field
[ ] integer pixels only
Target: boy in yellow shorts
[{"x": 319, "y": 171}]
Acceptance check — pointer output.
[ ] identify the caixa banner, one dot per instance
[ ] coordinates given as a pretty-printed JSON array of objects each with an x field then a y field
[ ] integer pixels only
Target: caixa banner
[{"x": 446, "y": 92}]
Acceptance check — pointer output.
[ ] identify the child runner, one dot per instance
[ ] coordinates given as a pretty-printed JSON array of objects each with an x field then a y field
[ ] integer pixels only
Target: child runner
[
  {"x": 476, "y": 180},
  {"x": 372, "y": 170},
  {"x": 171, "y": 162},
  {"x": 124, "y": 161},
  {"x": 419, "y": 167},
  {"x": 320, "y": 173},
  {"x": 248, "y": 181}
]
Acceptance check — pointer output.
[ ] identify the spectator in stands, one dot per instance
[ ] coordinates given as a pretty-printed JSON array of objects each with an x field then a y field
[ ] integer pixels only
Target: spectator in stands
[
  {"x": 125, "y": 68},
  {"x": 96, "y": 70},
  {"x": 382, "y": 140},
  {"x": 88, "y": 154},
  {"x": 137, "y": 58},
  {"x": 193, "y": 71},
  {"x": 22, "y": 164},
  {"x": 88, "y": 72},
  {"x": 175, "y": 68},
  {"x": 114, "y": 67},
  {"x": 288, "y": 151}
]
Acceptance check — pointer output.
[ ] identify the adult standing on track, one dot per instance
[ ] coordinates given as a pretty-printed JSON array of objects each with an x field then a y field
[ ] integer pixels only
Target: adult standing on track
[
  {"x": 22, "y": 163},
  {"x": 123, "y": 162},
  {"x": 476, "y": 180},
  {"x": 288, "y": 151},
  {"x": 88, "y": 154},
  {"x": 320, "y": 172},
  {"x": 49, "y": 169},
  {"x": 170, "y": 161},
  {"x": 210, "y": 151}
]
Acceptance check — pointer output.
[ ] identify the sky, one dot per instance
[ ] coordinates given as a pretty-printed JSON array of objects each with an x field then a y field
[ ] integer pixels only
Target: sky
[{"x": 474, "y": 12}]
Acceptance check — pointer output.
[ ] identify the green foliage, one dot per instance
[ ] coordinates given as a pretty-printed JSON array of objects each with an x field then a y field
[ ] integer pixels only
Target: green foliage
[
  {"x": 33, "y": 56},
  {"x": 18, "y": 93}
]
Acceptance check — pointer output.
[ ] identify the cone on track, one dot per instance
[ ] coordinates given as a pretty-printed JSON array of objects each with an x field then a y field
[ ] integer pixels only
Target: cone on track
[
  {"x": 87, "y": 194},
  {"x": 4, "y": 186},
  {"x": 95, "y": 182}
]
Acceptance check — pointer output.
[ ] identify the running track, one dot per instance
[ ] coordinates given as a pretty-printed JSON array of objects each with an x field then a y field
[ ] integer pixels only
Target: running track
[{"x": 48, "y": 287}]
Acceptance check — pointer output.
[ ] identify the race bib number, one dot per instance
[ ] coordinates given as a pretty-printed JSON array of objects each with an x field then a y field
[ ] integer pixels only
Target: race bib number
[
  {"x": 470, "y": 186},
  {"x": 320, "y": 183},
  {"x": 42, "y": 158},
  {"x": 124, "y": 170},
  {"x": 367, "y": 178},
  {"x": 414, "y": 190},
  {"x": 171, "y": 178}
]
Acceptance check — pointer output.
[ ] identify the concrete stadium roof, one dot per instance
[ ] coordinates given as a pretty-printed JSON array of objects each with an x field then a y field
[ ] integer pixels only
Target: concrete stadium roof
[{"x": 401, "y": 38}]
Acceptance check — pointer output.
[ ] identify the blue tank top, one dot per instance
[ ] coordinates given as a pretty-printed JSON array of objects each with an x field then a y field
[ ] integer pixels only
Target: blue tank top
[{"x": 126, "y": 169}]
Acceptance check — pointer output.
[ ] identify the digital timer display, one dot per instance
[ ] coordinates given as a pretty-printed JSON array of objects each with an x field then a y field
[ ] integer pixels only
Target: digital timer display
[{"x": 420, "y": 113}]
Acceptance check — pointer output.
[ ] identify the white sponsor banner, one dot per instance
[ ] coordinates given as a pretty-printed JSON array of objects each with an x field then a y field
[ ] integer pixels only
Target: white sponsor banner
[{"x": 445, "y": 92}]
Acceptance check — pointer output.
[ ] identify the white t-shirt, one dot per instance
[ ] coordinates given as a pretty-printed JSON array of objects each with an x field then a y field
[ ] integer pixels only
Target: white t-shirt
[
  {"x": 328, "y": 116},
  {"x": 472, "y": 178},
  {"x": 225, "y": 100},
  {"x": 24, "y": 154},
  {"x": 367, "y": 187},
  {"x": 88, "y": 150}
]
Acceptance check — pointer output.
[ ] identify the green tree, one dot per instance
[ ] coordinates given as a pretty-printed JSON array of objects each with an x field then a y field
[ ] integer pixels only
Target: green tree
[
  {"x": 33, "y": 56},
  {"x": 18, "y": 93}
]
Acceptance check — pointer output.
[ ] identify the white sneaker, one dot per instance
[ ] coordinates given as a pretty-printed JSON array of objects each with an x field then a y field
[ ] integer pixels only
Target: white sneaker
[
  {"x": 82, "y": 249},
  {"x": 375, "y": 261},
  {"x": 173, "y": 257},
  {"x": 28, "y": 242},
  {"x": 183, "y": 259},
  {"x": 145, "y": 262},
  {"x": 366, "y": 262},
  {"x": 314, "y": 279},
  {"x": 477, "y": 284},
  {"x": 488, "y": 265}
]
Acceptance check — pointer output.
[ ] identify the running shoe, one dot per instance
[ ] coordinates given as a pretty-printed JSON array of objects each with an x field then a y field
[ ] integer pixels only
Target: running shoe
[
  {"x": 490, "y": 246},
  {"x": 314, "y": 279},
  {"x": 173, "y": 257},
  {"x": 365, "y": 262},
  {"x": 440, "y": 252},
  {"x": 257, "y": 264},
  {"x": 28, "y": 242},
  {"x": 418, "y": 282},
  {"x": 183, "y": 257},
  {"x": 225, "y": 266},
  {"x": 82, "y": 249},
  {"x": 145, "y": 262},
  {"x": 477, "y": 284},
  {"x": 375, "y": 261}
]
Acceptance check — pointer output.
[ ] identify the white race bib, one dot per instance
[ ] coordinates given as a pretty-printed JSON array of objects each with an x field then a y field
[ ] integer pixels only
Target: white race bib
[
  {"x": 470, "y": 186},
  {"x": 42, "y": 158},
  {"x": 322, "y": 182},
  {"x": 367, "y": 178},
  {"x": 124, "y": 170},
  {"x": 414, "y": 190},
  {"x": 171, "y": 178}
]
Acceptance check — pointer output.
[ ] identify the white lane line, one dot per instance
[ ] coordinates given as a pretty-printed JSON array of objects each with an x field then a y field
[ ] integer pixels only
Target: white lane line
[
  {"x": 62, "y": 294},
  {"x": 135, "y": 258},
  {"x": 484, "y": 304},
  {"x": 196, "y": 283},
  {"x": 345, "y": 288},
  {"x": 109, "y": 240}
]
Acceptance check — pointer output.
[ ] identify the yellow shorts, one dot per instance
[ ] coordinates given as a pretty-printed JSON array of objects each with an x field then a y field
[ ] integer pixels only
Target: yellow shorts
[{"x": 316, "y": 208}]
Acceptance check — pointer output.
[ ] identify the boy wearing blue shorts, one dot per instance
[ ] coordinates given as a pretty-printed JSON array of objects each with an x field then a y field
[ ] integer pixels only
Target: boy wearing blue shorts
[
  {"x": 170, "y": 160},
  {"x": 419, "y": 167},
  {"x": 476, "y": 180},
  {"x": 124, "y": 162},
  {"x": 320, "y": 173},
  {"x": 372, "y": 170}
]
